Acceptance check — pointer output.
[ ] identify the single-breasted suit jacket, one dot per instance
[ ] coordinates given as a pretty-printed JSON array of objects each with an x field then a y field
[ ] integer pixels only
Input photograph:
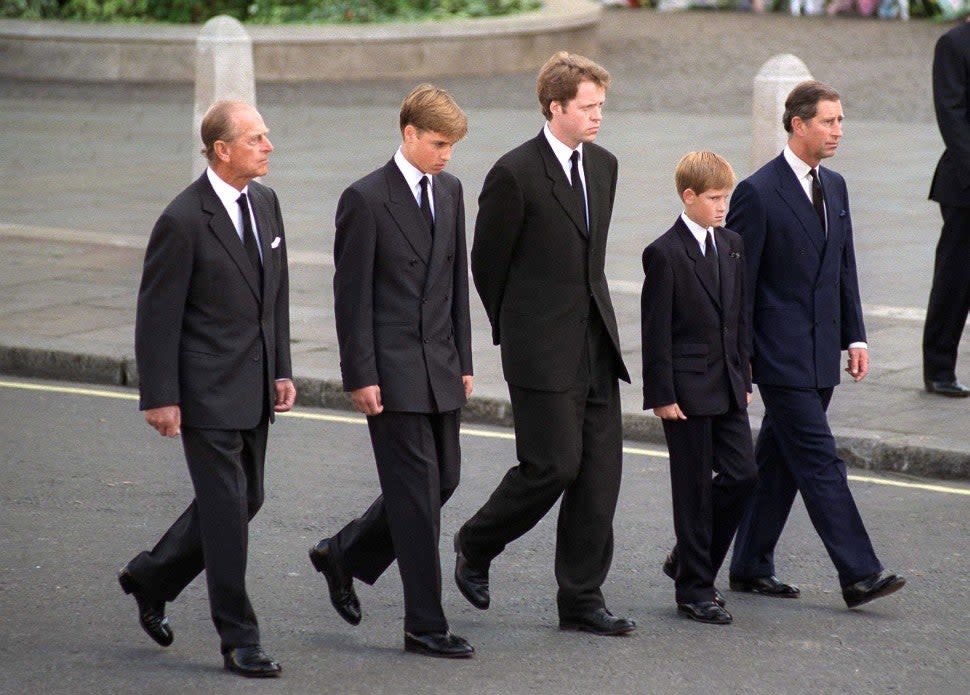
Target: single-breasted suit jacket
[
  {"x": 694, "y": 335},
  {"x": 951, "y": 92},
  {"x": 538, "y": 272},
  {"x": 401, "y": 301},
  {"x": 801, "y": 288},
  {"x": 207, "y": 337}
]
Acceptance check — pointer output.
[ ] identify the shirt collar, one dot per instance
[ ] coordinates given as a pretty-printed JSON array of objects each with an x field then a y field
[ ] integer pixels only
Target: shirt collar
[
  {"x": 560, "y": 149},
  {"x": 227, "y": 194},
  {"x": 800, "y": 168},
  {"x": 411, "y": 173},
  {"x": 697, "y": 231}
]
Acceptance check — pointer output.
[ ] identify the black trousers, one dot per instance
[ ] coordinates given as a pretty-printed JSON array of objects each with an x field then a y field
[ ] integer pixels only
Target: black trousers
[
  {"x": 569, "y": 445},
  {"x": 226, "y": 467},
  {"x": 418, "y": 459},
  {"x": 707, "y": 509},
  {"x": 949, "y": 303}
]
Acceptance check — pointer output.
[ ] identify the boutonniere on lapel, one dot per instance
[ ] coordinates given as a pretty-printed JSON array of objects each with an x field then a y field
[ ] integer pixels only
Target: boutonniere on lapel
[
  {"x": 843, "y": 213},
  {"x": 276, "y": 242},
  {"x": 734, "y": 254}
]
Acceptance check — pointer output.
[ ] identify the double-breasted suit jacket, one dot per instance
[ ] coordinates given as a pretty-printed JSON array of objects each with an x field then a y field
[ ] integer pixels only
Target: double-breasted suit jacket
[
  {"x": 802, "y": 287},
  {"x": 694, "y": 335},
  {"x": 401, "y": 300},
  {"x": 539, "y": 272},
  {"x": 207, "y": 337}
]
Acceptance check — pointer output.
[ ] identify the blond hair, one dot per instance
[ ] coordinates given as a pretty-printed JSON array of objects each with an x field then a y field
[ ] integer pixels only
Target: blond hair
[
  {"x": 431, "y": 108},
  {"x": 561, "y": 75},
  {"x": 703, "y": 171}
]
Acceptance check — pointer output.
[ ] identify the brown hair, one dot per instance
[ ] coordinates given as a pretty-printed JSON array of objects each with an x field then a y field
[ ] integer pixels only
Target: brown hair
[
  {"x": 559, "y": 79},
  {"x": 703, "y": 171},
  {"x": 803, "y": 101},
  {"x": 218, "y": 124},
  {"x": 431, "y": 108}
]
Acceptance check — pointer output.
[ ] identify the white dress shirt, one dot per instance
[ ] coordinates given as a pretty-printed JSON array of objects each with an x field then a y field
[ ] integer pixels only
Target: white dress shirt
[
  {"x": 699, "y": 233},
  {"x": 413, "y": 176},
  {"x": 230, "y": 200}
]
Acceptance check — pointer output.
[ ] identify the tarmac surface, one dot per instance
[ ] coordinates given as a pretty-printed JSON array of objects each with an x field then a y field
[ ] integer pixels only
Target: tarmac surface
[{"x": 90, "y": 168}]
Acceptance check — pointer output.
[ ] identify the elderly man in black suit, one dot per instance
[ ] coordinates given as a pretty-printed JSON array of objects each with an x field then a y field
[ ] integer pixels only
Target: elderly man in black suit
[
  {"x": 212, "y": 341},
  {"x": 537, "y": 260},
  {"x": 949, "y": 301},
  {"x": 401, "y": 304}
]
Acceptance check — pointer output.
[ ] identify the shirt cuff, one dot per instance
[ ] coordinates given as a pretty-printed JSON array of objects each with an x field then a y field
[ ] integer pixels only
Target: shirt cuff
[{"x": 864, "y": 346}]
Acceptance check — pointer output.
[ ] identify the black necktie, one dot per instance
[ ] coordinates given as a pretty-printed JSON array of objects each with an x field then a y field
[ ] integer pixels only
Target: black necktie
[
  {"x": 426, "y": 204},
  {"x": 818, "y": 199},
  {"x": 577, "y": 184},
  {"x": 710, "y": 258},
  {"x": 249, "y": 238}
]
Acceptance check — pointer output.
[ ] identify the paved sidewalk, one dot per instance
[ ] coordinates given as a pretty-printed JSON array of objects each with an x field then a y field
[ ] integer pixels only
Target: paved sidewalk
[{"x": 94, "y": 166}]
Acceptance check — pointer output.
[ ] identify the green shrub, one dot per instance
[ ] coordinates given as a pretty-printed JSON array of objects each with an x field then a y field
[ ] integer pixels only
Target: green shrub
[{"x": 261, "y": 11}]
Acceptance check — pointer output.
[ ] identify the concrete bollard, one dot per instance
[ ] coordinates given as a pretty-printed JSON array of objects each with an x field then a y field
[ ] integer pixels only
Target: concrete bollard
[
  {"x": 774, "y": 81},
  {"x": 223, "y": 70}
]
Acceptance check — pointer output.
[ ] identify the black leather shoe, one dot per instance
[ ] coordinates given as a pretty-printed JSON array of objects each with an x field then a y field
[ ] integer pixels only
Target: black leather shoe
[
  {"x": 767, "y": 586},
  {"x": 598, "y": 621},
  {"x": 472, "y": 582},
  {"x": 670, "y": 569},
  {"x": 954, "y": 388},
  {"x": 251, "y": 662},
  {"x": 342, "y": 594},
  {"x": 705, "y": 612},
  {"x": 441, "y": 644},
  {"x": 151, "y": 614},
  {"x": 872, "y": 587}
]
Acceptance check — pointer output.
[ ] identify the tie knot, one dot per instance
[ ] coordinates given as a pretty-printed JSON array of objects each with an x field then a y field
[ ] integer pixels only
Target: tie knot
[
  {"x": 813, "y": 173},
  {"x": 424, "y": 184},
  {"x": 242, "y": 199},
  {"x": 574, "y": 158}
]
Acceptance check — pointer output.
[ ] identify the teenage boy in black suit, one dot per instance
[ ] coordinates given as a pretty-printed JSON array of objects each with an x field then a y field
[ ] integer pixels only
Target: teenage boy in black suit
[
  {"x": 401, "y": 304},
  {"x": 696, "y": 377}
]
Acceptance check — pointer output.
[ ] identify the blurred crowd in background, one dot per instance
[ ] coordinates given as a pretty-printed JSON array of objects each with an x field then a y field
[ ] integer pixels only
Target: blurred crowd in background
[{"x": 946, "y": 10}]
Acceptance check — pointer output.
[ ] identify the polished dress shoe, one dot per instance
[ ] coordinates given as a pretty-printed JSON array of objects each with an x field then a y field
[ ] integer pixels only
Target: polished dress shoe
[
  {"x": 342, "y": 594},
  {"x": 767, "y": 586},
  {"x": 953, "y": 389},
  {"x": 599, "y": 621},
  {"x": 472, "y": 582},
  {"x": 705, "y": 612},
  {"x": 251, "y": 662},
  {"x": 151, "y": 614},
  {"x": 872, "y": 587},
  {"x": 441, "y": 644},
  {"x": 670, "y": 569}
]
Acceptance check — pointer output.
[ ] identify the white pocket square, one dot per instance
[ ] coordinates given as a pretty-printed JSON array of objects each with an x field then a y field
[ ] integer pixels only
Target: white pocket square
[{"x": 276, "y": 242}]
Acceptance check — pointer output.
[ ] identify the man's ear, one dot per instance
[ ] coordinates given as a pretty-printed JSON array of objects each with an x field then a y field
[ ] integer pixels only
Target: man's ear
[{"x": 688, "y": 196}]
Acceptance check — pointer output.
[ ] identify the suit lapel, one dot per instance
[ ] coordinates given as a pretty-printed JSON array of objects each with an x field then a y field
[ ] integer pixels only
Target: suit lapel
[
  {"x": 834, "y": 211},
  {"x": 225, "y": 232},
  {"x": 444, "y": 224},
  {"x": 697, "y": 260},
  {"x": 561, "y": 190},
  {"x": 404, "y": 209},
  {"x": 265, "y": 230},
  {"x": 727, "y": 265},
  {"x": 793, "y": 195}
]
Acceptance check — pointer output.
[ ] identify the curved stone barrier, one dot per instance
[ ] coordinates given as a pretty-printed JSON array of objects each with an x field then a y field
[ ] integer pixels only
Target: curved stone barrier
[{"x": 68, "y": 51}]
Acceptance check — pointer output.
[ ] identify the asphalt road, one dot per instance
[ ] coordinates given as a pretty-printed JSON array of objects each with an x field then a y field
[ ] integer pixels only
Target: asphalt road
[{"x": 86, "y": 484}]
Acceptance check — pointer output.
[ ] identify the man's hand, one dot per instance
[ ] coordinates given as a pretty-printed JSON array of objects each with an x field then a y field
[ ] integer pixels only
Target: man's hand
[
  {"x": 750, "y": 397},
  {"x": 285, "y": 395},
  {"x": 367, "y": 400},
  {"x": 468, "y": 381},
  {"x": 858, "y": 365},
  {"x": 670, "y": 412},
  {"x": 167, "y": 420}
]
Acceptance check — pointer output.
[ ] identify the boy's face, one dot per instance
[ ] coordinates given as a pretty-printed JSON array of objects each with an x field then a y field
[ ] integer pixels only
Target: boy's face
[{"x": 708, "y": 209}]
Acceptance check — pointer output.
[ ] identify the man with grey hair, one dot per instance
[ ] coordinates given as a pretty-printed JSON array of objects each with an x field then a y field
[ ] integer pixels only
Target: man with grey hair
[{"x": 212, "y": 341}]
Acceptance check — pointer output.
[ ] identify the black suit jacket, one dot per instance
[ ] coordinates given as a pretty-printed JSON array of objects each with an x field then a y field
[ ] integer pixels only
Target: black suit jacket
[
  {"x": 204, "y": 340},
  {"x": 951, "y": 98},
  {"x": 401, "y": 302},
  {"x": 538, "y": 273},
  {"x": 694, "y": 334}
]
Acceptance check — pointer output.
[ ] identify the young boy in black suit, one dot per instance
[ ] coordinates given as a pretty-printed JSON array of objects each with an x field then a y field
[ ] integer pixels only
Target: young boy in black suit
[{"x": 696, "y": 377}]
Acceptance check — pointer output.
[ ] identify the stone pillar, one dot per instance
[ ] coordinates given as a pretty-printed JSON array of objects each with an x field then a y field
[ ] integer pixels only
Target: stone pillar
[
  {"x": 223, "y": 70},
  {"x": 774, "y": 81}
]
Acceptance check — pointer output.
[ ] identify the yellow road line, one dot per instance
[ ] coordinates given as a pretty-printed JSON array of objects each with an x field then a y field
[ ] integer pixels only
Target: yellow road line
[{"x": 469, "y": 431}]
